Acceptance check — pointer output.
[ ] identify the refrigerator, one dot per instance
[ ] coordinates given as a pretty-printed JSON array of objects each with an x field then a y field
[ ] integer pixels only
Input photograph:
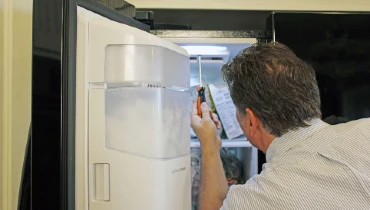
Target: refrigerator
[
  {"x": 66, "y": 173},
  {"x": 126, "y": 136}
]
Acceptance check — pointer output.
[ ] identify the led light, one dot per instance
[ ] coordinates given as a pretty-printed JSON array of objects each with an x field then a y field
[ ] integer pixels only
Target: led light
[{"x": 204, "y": 50}]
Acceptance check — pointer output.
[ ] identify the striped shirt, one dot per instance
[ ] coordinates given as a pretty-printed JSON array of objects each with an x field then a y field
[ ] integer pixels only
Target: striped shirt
[{"x": 317, "y": 167}]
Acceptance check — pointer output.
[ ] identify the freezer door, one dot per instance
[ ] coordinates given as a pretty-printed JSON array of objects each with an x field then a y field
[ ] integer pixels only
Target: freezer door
[{"x": 132, "y": 148}]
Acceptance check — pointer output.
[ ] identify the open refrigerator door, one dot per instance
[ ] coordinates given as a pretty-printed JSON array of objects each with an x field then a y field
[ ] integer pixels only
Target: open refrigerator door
[
  {"x": 132, "y": 140},
  {"x": 129, "y": 147}
]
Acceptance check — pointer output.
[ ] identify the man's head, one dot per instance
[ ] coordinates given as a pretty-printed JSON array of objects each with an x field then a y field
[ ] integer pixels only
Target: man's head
[{"x": 273, "y": 90}]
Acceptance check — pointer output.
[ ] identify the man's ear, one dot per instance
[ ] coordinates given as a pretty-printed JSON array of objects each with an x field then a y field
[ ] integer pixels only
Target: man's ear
[{"x": 253, "y": 120}]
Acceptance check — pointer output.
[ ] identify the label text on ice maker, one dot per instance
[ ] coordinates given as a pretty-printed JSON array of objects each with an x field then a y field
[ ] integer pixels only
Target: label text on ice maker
[{"x": 178, "y": 170}]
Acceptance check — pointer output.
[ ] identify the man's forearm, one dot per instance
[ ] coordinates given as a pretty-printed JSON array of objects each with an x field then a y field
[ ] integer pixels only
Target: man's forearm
[{"x": 213, "y": 184}]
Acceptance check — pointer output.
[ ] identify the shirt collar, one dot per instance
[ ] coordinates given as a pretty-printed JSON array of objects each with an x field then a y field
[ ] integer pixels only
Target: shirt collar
[{"x": 282, "y": 144}]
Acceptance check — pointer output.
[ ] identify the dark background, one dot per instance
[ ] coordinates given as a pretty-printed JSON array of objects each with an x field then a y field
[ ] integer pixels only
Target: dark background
[{"x": 338, "y": 47}]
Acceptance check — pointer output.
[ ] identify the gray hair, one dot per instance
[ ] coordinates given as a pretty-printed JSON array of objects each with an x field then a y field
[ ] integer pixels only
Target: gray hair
[{"x": 276, "y": 85}]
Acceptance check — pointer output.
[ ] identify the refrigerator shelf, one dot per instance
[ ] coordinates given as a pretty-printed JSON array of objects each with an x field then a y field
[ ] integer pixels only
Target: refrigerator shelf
[{"x": 237, "y": 142}]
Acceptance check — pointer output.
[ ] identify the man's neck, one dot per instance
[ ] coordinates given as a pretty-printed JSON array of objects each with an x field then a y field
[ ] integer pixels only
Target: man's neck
[{"x": 266, "y": 141}]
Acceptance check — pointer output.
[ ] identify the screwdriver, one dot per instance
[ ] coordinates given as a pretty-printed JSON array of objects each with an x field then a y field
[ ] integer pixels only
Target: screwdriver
[{"x": 201, "y": 90}]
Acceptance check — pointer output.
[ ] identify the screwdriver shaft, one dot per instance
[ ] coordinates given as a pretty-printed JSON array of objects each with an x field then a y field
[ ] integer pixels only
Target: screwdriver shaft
[{"x": 200, "y": 70}]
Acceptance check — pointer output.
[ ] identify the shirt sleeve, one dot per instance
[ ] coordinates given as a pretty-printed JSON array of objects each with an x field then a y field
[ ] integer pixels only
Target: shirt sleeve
[
  {"x": 232, "y": 199},
  {"x": 241, "y": 197}
]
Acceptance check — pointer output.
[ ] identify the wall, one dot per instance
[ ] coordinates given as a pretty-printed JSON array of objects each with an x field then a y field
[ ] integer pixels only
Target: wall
[
  {"x": 15, "y": 94},
  {"x": 301, "y": 5}
]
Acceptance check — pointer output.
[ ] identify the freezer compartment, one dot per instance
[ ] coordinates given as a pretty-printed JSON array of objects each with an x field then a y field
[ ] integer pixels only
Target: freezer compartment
[
  {"x": 146, "y": 63},
  {"x": 150, "y": 122},
  {"x": 240, "y": 164}
]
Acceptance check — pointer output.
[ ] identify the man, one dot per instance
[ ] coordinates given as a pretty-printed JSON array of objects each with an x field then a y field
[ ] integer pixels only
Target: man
[{"x": 310, "y": 164}]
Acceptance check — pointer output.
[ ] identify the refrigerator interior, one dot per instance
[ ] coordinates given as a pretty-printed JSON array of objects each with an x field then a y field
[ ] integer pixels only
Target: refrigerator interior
[
  {"x": 238, "y": 156},
  {"x": 237, "y": 163},
  {"x": 212, "y": 64}
]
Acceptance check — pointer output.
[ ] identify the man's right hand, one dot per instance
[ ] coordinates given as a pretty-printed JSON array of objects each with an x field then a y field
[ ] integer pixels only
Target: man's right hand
[{"x": 205, "y": 127}]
